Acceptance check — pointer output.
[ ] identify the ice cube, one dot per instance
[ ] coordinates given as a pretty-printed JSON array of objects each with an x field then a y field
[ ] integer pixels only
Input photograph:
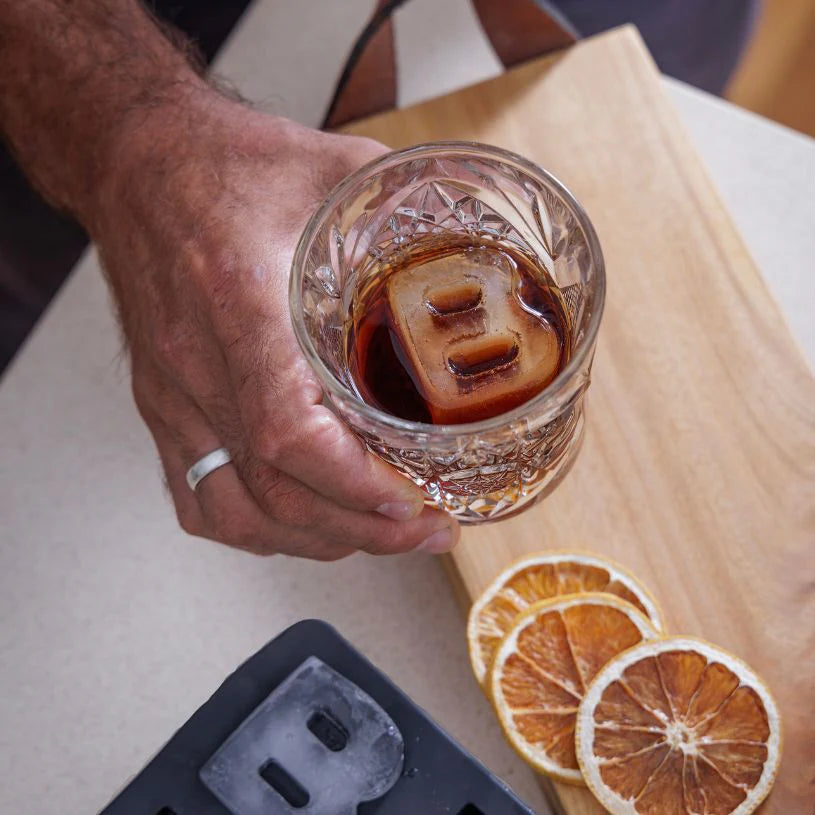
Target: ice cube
[
  {"x": 472, "y": 348},
  {"x": 280, "y": 761}
]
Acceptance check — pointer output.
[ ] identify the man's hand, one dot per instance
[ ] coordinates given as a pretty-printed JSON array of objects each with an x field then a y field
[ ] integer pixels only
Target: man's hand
[
  {"x": 196, "y": 204},
  {"x": 197, "y": 228}
]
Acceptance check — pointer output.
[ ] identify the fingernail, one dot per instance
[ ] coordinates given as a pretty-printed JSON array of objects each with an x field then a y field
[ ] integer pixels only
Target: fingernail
[
  {"x": 400, "y": 510},
  {"x": 440, "y": 541}
]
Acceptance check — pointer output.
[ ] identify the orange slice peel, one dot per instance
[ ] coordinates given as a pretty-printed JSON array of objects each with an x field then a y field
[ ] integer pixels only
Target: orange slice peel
[
  {"x": 545, "y": 663},
  {"x": 538, "y": 577},
  {"x": 676, "y": 724}
]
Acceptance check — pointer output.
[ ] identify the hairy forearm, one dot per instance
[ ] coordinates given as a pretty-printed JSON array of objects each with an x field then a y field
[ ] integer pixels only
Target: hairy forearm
[{"x": 77, "y": 75}]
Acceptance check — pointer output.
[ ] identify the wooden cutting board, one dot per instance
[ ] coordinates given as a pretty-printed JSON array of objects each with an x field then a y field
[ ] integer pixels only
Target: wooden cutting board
[{"x": 698, "y": 469}]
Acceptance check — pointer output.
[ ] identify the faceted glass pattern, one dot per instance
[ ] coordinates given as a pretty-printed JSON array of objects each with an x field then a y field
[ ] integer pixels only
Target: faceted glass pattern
[{"x": 484, "y": 470}]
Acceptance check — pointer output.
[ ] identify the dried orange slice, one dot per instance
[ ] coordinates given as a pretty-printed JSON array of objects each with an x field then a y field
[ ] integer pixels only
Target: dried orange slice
[
  {"x": 544, "y": 664},
  {"x": 677, "y": 725},
  {"x": 538, "y": 577}
]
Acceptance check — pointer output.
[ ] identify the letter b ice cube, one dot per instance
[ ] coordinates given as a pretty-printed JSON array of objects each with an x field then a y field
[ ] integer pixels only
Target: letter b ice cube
[{"x": 472, "y": 346}]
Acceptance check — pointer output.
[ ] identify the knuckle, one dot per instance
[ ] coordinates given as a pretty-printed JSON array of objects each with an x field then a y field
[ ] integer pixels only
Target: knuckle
[
  {"x": 173, "y": 345},
  {"x": 281, "y": 497},
  {"x": 263, "y": 545},
  {"x": 257, "y": 542},
  {"x": 304, "y": 544},
  {"x": 279, "y": 438},
  {"x": 327, "y": 433},
  {"x": 156, "y": 402},
  {"x": 144, "y": 387},
  {"x": 230, "y": 526},
  {"x": 157, "y": 409},
  {"x": 143, "y": 397},
  {"x": 389, "y": 538},
  {"x": 248, "y": 540},
  {"x": 268, "y": 443},
  {"x": 290, "y": 503},
  {"x": 188, "y": 521}
]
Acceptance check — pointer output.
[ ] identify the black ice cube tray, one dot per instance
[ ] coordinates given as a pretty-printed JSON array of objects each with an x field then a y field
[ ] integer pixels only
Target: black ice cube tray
[{"x": 438, "y": 775}]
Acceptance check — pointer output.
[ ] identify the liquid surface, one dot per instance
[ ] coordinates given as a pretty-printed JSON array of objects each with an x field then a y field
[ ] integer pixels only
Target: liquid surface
[{"x": 456, "y": 334}]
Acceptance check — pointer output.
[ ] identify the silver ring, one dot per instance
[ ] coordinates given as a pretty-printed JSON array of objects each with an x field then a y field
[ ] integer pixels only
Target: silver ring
[{"x": 207, "y": 464}]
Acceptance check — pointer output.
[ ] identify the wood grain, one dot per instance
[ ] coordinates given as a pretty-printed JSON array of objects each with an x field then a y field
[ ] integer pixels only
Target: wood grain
[{"x": 698, "y": 470}]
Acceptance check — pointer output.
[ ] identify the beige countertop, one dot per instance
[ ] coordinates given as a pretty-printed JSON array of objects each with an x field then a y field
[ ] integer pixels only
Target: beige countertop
[{"x": 115, "y": 626}]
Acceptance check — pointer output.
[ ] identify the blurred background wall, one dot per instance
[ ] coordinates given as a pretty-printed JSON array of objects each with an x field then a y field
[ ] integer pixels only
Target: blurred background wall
[{"x": 776, "y": 77}]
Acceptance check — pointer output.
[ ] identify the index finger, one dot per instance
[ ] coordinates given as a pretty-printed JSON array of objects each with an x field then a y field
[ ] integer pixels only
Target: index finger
[{"x": 287, "y": 426}]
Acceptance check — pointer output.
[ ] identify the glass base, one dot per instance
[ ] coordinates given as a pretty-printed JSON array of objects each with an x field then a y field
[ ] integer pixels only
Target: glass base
[{"x": 514, "y": 498}]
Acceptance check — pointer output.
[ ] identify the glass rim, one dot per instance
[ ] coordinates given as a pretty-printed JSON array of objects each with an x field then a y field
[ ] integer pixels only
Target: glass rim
[{"x": 555, "y": 394}]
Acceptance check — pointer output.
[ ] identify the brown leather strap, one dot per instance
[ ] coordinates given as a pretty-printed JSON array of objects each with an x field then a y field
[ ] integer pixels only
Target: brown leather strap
[
  {"x": 518, "y": 30},
  {"x": 368, "y": 81}
]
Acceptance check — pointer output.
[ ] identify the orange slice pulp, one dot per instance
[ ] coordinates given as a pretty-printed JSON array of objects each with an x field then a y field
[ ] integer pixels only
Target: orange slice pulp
[
  {"x": 545, "y": 663},
  {"x": 677, "y": 726},
  {"x": 539, "y": 577}
]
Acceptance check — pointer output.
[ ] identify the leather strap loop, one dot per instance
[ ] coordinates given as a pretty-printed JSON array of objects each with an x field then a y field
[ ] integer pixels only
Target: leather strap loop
[{"x": 518, "y": 30}]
